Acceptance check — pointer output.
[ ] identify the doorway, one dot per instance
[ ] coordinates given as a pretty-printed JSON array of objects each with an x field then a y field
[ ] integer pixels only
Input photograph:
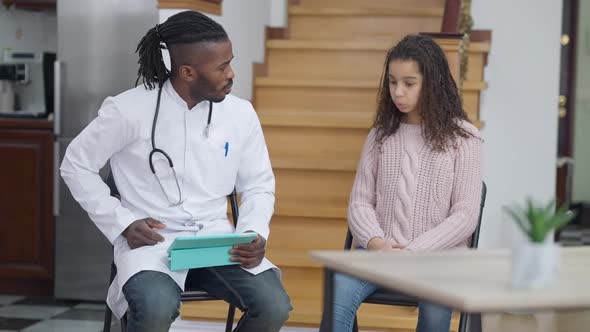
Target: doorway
[{"x": 573, "y": 163}]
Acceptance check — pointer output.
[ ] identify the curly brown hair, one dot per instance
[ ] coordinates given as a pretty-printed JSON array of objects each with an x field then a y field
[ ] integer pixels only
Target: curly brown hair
[{"x": 439, "y": 102}]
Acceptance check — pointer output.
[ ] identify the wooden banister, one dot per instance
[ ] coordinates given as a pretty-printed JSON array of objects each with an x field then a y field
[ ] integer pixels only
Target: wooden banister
[
  {"x": 205, "y": 6},
  {"x": 451, "y": 16}
]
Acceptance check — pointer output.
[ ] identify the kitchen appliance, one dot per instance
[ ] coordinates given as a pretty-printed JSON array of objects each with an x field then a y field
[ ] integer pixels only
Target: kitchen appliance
[
  {"x": 95, "y": 59},
  {"x": 26, "y": 84},
  {"x": 6, "y": 96}
]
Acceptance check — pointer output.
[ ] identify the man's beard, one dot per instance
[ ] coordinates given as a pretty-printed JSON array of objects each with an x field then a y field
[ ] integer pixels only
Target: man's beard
[{"x": 211, "y": 94}]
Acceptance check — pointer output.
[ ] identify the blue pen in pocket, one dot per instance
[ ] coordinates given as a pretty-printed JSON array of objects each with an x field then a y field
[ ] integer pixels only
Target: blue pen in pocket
[{"x": 226, "y": 148}]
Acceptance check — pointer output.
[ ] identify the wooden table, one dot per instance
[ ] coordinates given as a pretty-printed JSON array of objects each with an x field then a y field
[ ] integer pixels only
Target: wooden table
[{"x": 474, "y": 281}]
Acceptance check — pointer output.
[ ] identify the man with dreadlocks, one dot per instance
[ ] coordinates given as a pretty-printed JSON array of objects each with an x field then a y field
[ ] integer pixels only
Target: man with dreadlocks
[{"x": 178, "y": 145}]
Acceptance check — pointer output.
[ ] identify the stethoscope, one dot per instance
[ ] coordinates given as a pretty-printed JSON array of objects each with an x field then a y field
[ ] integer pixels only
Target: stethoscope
[{"x": 162, "y": 152}]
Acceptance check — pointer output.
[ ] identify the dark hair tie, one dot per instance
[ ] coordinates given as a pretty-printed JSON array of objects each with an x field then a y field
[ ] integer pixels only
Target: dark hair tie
[{"x": 158, "y": 32}]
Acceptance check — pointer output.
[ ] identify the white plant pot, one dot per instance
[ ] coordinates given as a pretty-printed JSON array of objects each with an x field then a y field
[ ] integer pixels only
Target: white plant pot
[{"x": 535, "y": 265}]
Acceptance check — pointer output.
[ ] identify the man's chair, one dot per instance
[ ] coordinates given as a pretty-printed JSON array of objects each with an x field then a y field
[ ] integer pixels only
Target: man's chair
[
  {"x": 187, "y": 295},
  {"x": 382, "y": 296}
]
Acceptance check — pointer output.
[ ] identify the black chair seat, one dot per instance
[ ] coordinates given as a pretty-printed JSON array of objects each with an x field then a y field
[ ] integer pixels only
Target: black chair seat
[
  {"x": 197, "y": 295},
  {"x": 391, "y": 298}
]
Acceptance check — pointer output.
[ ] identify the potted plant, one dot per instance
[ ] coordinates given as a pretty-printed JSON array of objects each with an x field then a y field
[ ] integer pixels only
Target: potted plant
[{"x": 535, "y": 263}]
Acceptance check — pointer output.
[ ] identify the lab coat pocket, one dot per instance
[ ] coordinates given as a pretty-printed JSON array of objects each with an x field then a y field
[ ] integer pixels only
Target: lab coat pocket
[{"x": 223, "y": 167}]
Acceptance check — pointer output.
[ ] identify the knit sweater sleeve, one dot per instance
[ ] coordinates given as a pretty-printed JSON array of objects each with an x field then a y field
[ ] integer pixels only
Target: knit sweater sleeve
[
  {"x": 362, "y": 219},
  {"x": 465, "y": 199}
]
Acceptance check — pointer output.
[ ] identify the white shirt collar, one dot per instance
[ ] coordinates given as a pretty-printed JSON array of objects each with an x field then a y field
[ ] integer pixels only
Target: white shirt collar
[{"x": 171, "y": 92}]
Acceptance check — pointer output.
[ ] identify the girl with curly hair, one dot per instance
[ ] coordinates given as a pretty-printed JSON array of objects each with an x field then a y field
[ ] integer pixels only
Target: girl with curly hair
[{"x": 419, "y": 180}]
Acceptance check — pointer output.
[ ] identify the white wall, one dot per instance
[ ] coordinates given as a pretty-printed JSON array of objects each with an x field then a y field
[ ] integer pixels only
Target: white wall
[
  {"x": 245, "y": 23},
  {"x": 519, "y": 108},
  {"x": 581, "y": 178},
  {"x": 37, "y": 30},
  {"x": 278, "y": 13}
]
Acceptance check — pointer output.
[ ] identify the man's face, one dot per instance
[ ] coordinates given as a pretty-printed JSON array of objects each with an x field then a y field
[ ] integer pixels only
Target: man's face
[{"x": 214, "y": 74}]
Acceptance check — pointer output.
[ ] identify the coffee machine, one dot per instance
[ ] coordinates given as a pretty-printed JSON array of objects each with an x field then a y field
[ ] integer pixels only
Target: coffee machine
[{"x": 26, "y": 84}]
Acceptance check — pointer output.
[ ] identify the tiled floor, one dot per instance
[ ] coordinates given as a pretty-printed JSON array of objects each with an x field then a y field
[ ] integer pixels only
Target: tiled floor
[{"x": 47, "y": 315}]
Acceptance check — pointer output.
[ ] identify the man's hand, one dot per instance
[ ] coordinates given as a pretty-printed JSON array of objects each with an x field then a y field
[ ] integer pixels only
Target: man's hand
[
  {"x": 140, "y": 233},
  {"x": 249, "y": 255}
]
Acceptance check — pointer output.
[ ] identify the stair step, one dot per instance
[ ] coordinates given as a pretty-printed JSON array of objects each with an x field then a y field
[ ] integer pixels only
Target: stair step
[
  {"x": 326, "y": 64},
  {"x": 303, "y": 26},
  {"x": 306, "y": 282},
  {"x": 322, "y": 165},
  {"x": 325, "y": 99},
  {"x": 316, "y": 148},
  {"x": 312, "y": 119},
  {"x": 296, "y": 210},
  {"x": 338, "y": 45},
  {"x": 342, "y": 11},
  {"x": 370, "y": 54},
  {"x": 331, "y": 83},
  {"x": 380, "y": 4},
  {"x": 341, "y": 102},
  {"x": 361, "y": 60},
  {"x": 317, "y": 233},
  {"x": 315, "y": 61},
  {"x": 356, "y": 45},
  {"x": 478, "y": 57},
  {"x": 316, "y": 83},
  {"x": 312, "y": 193},
  {"x": 308, "y": 312},
  {"x": 291, "y": 258},
  {"x": 313, "y": 148}
]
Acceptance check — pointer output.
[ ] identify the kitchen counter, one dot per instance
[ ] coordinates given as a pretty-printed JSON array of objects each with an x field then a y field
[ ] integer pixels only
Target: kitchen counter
[
  {"x": 25, "y": 123},
  {"x": 26, "y": 206}
]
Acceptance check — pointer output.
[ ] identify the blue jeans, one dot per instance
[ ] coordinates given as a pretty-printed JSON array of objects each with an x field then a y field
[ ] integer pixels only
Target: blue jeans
[
  {"x": 154, "y": 298},
  {"x": 350, "y": 292}
]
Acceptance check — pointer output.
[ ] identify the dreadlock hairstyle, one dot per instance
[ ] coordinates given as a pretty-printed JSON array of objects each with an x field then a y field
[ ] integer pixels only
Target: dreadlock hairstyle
[
  {"x": 439, "y": 103},
  {"x": 182, "y": 28}
]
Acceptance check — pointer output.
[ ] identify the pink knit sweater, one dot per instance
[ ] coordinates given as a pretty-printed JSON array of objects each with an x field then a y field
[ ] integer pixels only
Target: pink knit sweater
[{"x": 408, "y": 194}]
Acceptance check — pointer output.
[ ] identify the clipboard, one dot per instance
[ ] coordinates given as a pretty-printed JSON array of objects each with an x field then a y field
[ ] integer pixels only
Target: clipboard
[{"x": 193, "y": 252}]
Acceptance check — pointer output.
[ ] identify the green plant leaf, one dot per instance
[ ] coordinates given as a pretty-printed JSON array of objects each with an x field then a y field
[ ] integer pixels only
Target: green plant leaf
[
  {"x": 550, "y": 208},
  {"x": 538, "y": 221},
  {"x": 562, "y": 217},
  {"x": 520, "y": 220}
]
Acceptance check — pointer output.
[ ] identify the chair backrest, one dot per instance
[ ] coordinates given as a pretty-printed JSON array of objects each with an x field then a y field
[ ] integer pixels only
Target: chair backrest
[
  {"x": 233, "y": 197},
  {"x": 110, "y": 181},
  {"x": 474, "y": 238}
]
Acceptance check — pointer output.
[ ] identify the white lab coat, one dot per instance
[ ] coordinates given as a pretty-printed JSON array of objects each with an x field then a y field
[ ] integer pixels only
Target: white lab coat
[{"x": 206, "y": 174}]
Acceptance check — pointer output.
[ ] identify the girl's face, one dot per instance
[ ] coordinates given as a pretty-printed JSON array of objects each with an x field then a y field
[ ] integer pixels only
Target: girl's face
[{"x": 405, "y": 83}]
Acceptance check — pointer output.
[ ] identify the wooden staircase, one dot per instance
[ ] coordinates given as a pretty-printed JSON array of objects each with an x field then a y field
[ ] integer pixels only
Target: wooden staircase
[{"x": 316, "y": 97}]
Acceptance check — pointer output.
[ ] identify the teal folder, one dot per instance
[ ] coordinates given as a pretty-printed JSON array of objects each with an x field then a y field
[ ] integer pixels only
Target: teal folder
[{"x": 204, "y": 251}]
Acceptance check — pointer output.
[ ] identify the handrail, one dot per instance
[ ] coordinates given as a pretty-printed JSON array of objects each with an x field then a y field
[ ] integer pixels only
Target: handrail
[
  {"x": 451, "y": 16},
  {"x": 206, "y": 6},
  {"x": 457, "y": 21}
]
